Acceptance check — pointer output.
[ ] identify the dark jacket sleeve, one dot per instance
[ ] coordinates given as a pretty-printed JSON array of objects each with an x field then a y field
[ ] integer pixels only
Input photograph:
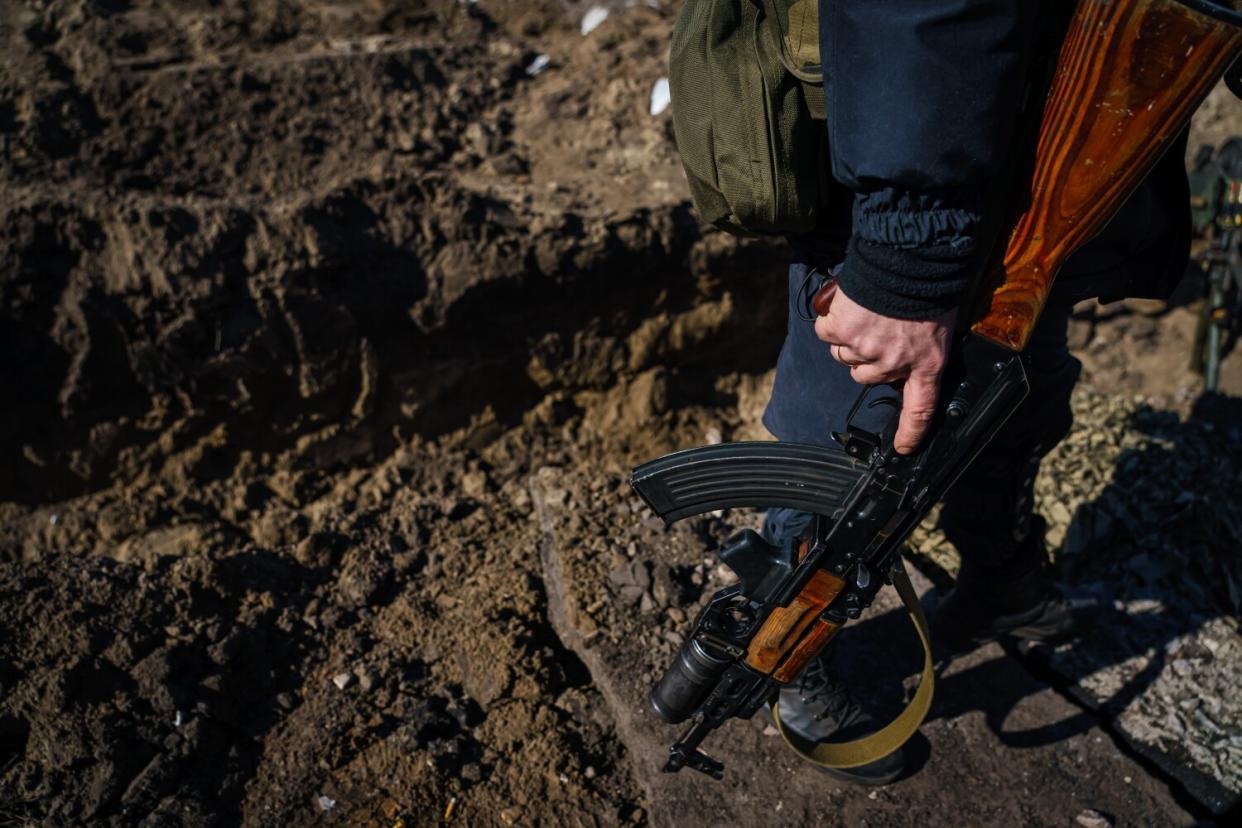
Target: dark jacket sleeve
[{"x": 922, "y": 96}]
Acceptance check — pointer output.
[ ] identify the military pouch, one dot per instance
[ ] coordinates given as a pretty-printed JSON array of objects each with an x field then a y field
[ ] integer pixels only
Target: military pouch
[{"x": 748, "y": 113}]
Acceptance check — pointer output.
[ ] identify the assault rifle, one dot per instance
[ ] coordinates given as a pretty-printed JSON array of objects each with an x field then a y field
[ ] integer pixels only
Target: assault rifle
[
  {"x": 1128, "y": 76},
  {"x": 1216, "y": 204}
]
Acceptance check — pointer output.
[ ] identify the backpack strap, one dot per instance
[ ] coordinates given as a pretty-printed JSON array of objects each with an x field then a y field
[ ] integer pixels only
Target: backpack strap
[{"x": 797, "y": 25}]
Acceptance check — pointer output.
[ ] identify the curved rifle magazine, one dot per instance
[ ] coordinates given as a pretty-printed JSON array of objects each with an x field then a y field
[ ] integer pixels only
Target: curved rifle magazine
[{"x": 760, "y": 474}]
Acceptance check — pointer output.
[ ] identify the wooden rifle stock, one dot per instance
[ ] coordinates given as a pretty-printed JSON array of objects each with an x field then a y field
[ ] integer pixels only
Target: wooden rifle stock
[{"x": 1129, "y": 75}]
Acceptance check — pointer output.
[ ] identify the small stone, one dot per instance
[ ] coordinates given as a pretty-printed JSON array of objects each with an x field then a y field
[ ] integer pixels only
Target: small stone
[
  {"x": 326, "y": 803},
  {"x": 555, "y": 497},
  {"x": 639, "y": 575},
  {"x": 620, "y": 576},
  {"x": 631, "y": 594},
  {"x": 342, "y": 680},
  {"x": 660, "y": 592},
  {"x": 589, "y": 772},
  {"x": 474, "y": 484},
  {"x": 1091, "y": 818},
  {"x": 519, "y": 498}
]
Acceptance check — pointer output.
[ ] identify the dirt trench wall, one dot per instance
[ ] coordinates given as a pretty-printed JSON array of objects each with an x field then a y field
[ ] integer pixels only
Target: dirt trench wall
[
  {"x": 242, "y": 242},
  {"x": 287, "y": 230}
]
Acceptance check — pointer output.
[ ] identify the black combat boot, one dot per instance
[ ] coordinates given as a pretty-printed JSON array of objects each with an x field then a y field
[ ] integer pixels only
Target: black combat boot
[
  {"x": 818, "y": 706},
  {"x": 1004, "y": 587},
  {"x": 1016, "y": 599}
]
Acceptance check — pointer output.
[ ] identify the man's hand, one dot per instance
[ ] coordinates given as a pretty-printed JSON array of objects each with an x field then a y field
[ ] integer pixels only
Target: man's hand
[{"x": 906, "y": 353}]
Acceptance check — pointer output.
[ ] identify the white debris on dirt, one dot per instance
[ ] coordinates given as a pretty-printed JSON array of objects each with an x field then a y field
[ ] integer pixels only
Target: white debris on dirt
[
  {"x": 660, "y": 96},
  {"x": 326, "y": 803},
  {"x": 1091, "y": 818},
  {"x": 538, "y": 65},
  {"x": 593, "y": 18}
]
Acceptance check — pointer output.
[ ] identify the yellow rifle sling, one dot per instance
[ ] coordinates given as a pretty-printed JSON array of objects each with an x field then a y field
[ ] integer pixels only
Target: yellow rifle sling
[{"x": 893, "y": 735}]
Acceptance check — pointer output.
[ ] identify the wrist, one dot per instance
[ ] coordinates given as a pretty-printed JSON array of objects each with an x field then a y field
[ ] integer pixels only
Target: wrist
[{"x": 906, "y": 283}]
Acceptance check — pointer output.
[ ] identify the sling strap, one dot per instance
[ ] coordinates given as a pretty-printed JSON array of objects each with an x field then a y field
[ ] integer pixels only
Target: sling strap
[{"x": 897, "y": 732}]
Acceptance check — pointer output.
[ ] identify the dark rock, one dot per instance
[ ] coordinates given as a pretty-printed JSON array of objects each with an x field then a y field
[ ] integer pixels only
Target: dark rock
[{"x": 366, "y": 578}]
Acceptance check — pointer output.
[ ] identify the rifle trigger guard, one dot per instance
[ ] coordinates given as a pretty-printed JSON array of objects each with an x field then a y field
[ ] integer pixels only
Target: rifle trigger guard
[{"x": 860, "y": 443}]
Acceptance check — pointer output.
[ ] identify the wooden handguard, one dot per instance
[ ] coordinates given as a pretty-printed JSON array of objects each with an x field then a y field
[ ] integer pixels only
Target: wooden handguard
[
  {"x": 1129, "y": 75},
  {"x": 791, "y": 636}
]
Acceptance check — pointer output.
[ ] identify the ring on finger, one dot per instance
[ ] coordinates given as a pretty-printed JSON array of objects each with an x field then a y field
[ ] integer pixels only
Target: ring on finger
[{"x": 841, "y": 359}]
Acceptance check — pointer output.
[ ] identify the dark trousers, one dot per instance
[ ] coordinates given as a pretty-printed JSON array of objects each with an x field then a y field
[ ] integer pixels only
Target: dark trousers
[{"x": 988, "y": 515}]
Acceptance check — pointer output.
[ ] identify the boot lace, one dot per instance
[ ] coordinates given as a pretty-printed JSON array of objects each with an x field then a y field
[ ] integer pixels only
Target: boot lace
[{"x": 819, "y": 687}]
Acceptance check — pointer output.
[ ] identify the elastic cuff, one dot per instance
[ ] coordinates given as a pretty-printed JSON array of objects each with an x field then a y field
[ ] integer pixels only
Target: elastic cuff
[
  {"x": 912, "y": 283},
  {"x": 907, "y": 219}
]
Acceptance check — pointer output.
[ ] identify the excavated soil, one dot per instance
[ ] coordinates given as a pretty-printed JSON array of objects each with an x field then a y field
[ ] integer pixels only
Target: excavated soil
[{"x": 330, "y": 332}]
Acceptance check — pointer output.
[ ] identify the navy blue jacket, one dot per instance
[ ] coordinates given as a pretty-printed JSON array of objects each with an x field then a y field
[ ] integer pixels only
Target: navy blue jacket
[{"x": 923, "y": 99}]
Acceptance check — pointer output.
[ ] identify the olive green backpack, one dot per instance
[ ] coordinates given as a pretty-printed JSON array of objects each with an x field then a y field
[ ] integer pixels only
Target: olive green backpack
[{"x": 748, "y": 113}]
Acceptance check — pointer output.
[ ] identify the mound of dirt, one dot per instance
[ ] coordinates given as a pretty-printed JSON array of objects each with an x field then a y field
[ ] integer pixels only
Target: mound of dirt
[
  {"x": 316, "y": 224},
  {"x": 299, "y": 297}
]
